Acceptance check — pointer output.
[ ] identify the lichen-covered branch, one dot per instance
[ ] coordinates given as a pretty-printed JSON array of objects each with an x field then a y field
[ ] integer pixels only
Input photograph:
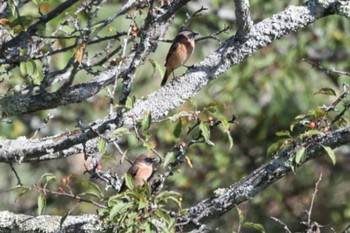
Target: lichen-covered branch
[
  {"x": 244, "y": 22},
  {"x": 11, "y": 222},
  {"x": 222, "y": 201},
  {"x": 225, "y": 199},
  {"x": 160, "y": 102}
]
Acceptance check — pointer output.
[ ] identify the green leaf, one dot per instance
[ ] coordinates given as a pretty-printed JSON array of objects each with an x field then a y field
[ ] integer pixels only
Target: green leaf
[
  {"x": 255, "y": 226},
  {"x": 23, "y": 68},
  {"x": 22, "y": 192},
  {"x": 330, "y": 153},
  {"x": 166, "y": 194},
  {"x": 23, "y": 21},
  {"x": 130, "y": 102},
  {"x": 318, "y": 112},
  {"x": 128, "y": 181},
  {"x": 178, "y": 129},
  {"x": 169, "y": 158},
  {"x": 92, "y": 187},
  {"x": 63, "y": 218},
  {"x": 157, "y": 67},
  {"x": 12, "y": 7},
  {"x": 146, "y": 122},
  {"x": 300, "y": 154},
  {"x": 120, "y": 208},
  {"x": 311, "y": 132},
  {"x": 41, "y": 203},
  {"x": 142, "y": 204},
  {"x": 102, "y": 144},
  {"x": 326, "y": 91},
  {"x": 119, "y": 132},
  {"x": 18, "y": 186},
  {"x": 205, "y": 131},
  {"x": 90, "y": 195},
  {"x": 283, "y": 133},
  {"x": 276, "y": 146},
  {"x": 48, "y": 177}
]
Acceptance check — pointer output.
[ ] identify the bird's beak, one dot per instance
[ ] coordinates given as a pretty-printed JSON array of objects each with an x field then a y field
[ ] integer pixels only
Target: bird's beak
[{"x": 195, "y": 34}]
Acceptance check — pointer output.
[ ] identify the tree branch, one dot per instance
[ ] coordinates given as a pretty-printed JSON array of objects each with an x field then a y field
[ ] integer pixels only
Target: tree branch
[
  {"x": 46, "y": 223},
  {"x": 160, "y": 102},
  {"x": 27, "y": 102},
  {"x": 224, "y": 199},
  {"x": 243, "y": 21}
]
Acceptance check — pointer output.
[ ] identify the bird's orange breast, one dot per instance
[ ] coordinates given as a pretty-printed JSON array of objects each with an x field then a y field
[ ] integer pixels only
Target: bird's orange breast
[
  {"x": 181, "y": 54},
  {"x": 144, "y": 172}
]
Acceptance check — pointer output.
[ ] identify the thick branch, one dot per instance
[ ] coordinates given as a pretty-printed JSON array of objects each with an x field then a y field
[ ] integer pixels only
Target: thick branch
[
  {"x": 160, "y": 102},
  {"x": 229, "y": 54},
  {"x": 223, "y": 199},
  {"x": 27, "y": 102},
  {"x": 32, "y": 28},
  {"x": 11, "y": 222}
]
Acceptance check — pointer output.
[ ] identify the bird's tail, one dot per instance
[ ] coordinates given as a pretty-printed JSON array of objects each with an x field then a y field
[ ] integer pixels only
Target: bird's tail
[{"x": 165, "y": 78}]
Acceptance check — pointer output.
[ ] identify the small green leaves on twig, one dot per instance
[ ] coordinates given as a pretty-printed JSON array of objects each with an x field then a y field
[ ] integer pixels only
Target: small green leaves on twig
[
  {"x": 41, "y": 203},
  {"x": 330, "y": 153}
]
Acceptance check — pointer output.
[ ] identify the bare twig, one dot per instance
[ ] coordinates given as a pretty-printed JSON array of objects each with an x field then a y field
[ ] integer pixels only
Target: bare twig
[
  {"x": 214, "y": 35},
  {"x": 328, "y": 71},
  {"x": 313, "y": 200},
  {"x": 19, "y": 182},
  {"x": 285, "y": 227},
  {"x": 42, "y": 20},
  {"x": 43, "y": 125},
  {"x": 189, "y": 17},
  {"x": 71, "y": 195},
  {"x": 138, "y": 136}
]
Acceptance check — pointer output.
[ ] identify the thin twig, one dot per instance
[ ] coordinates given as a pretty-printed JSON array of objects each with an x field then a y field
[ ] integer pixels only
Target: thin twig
[
  {"x": 189, "y": 17},
  {"x": 285, "y": 227},
  {"x": 326, "y": 70},
  {"x": 43, "y": 125},
  {"x": 214, "y": 35},
  {"x": 313, "y": 200},
  {"x": 71, "y": 195},
  {"x": 138, "y": 136},
  {"x": 16, "y": 174}
]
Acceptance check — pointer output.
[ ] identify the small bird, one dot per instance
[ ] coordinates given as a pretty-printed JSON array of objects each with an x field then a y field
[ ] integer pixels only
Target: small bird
[
  {"x": 142, "y": 170},
  {"x": 179, "y": 52}
]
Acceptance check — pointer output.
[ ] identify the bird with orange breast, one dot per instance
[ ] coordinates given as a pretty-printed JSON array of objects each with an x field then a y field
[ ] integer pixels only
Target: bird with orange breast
[
  {"x": 142, "y": 170},
  {"x": 179, "y": 52}
]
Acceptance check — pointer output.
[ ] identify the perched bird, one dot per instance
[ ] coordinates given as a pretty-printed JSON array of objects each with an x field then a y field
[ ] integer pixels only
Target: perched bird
[
  {"x": 179, "y": 52},
  {"x": 142, "y": 170}
]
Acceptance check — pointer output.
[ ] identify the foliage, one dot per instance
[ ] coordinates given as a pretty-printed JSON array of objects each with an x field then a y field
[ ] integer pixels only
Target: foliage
[
  {"x": 138, "y": 210},
  {"x": 272, "y": 94}
]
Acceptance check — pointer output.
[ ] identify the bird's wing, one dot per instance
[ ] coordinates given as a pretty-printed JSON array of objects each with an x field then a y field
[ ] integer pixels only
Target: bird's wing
[
  {"x": 171, "y": 51},
  {"x": 133, "y": 170}
]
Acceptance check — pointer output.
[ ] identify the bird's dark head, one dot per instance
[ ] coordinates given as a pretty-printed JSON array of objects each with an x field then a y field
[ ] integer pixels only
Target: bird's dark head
[
  {"x": 147, "y": 159},
  {"x": 188, "y": 34}
]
